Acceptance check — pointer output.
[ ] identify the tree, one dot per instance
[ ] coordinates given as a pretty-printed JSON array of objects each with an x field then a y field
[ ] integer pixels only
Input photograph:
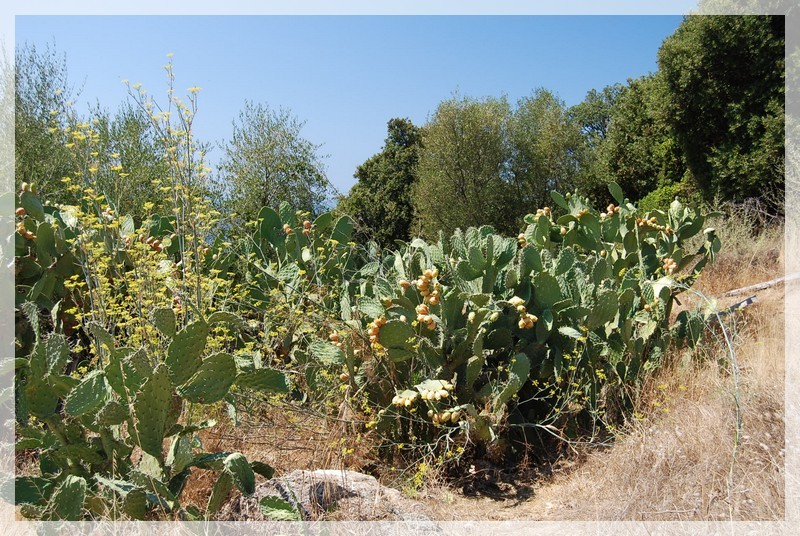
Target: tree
[
  {"x": 724, "y": 79},
  {"x": 593, "y": 118},
  {"x": 267, "y": 162},
  {"x": 129, "y": 163},
  {"x": 547, "y": 151},
  {"x": 42, "y": 97},
  {"x": 382, "y": 200},
  {"x": 464, "y": 167},
  {"x": 640, "y": 151},
  {"x": 485, "y": 163},
  {"x": 593, "y": 115}
]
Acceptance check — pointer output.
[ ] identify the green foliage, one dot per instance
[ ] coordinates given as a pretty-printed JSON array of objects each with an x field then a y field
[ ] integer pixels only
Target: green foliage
[
  {"x": 129, "y": 170},
  {"x": 381, "y": 200},
  {"x": 184, "y": 355},
  {"x": 88, "y": 275},
  {"x": 724, "y": 79},
  {"x": 126, "y": 323},
  {"x": 267, "y": 162},
  {"x": 593, "y": 115},
  {"x": 484, "y": 162},
  {"x": 41, "y": 88},
  {"x": 99, "y": 469},
  {"x": 277, "y": 509},
  {"x": 640, "y": 151},
  {"x": 661, "y": 197},
  {"x": 455, "y": 189},
  {"x": 550, "y": 332},
  {"x": 547, "y": 152}
]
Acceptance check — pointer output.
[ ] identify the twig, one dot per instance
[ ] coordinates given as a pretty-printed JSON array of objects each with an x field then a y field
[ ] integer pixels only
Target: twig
[
  {"x": 735, "y": 307},
  {"x": 668, "y": 512},
  {"x": 764, "y": 285}
]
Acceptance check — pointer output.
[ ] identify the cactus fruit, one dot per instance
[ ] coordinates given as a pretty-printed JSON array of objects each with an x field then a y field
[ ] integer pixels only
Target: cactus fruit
[
  {"x": 374, "y": 329},
  {"x": 405, "y": 399}
]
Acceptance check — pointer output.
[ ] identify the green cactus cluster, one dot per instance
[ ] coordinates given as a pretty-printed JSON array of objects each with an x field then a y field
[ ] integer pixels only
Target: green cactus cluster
[
  {"x": 117, "y": 441},
  {"x": 536, "y": 330},
  {"x": 292, "y": 253},
  {"x": 470, "y": 334},
  {"x": 87, "y": 428}
]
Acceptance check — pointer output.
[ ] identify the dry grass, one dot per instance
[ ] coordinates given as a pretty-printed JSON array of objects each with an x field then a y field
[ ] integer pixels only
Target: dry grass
[
  {"x": 683, "y": 462},
  {"x": 751, "y": 253}
]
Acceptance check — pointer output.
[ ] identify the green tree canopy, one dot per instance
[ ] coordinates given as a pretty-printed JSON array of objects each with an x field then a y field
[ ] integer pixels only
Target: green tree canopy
[
  {"x": 484, "y": 162},
  {"x": 463, "y": 168},
  {"x": 381, "y": 200},
  {"x": 640, "y": 150},
  {"x": 724, "y": 79},
  {"x": 42, "y": 97},
  {"x": 267, "y": 162},
  {"x": 130, "y": 165},
  {"x": 546, "y": 151},
  {"x": 592, "y": 116}
]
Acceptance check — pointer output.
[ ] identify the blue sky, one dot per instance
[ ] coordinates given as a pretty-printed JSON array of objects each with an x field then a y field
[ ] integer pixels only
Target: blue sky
[{"x": 346, "y": 76}]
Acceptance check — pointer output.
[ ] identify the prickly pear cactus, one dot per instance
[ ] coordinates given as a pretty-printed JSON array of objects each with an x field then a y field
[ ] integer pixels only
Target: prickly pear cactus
[
  {"x": 151, "y": 408},
  {"x": 184, "y": 355},
  {"x": 534, "y": 329},
  {"x": 212, "y": 380},
  {"x": 90, "y": 425}
]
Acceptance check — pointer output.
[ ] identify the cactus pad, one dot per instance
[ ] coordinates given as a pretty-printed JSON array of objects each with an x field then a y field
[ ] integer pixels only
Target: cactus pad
[
  {"x": 67, "y": 500},
  {"x": 211, "y": 381},
  {"x": 151, "y": 411},
  {"x": 519, "y": 369},
  {"x": 397, "y": 334},
  {"x": 184, "y": 355},
  {"x": 219, "y": 493},
  {"x": 164, "y": 320},
  {"x": 326, "y": 353},
  {"x": 89, "y": 395},
  {"x": 604, "y": 310},
  {"x": 242, "y": 474},
  {"x": 113, "y": 413},
  {"x": 264, "y": 379},
  {"x": 40, "y": 398}
]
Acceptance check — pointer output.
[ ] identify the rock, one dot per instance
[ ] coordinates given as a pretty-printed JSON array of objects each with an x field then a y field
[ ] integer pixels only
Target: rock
[{"x": 328, "y": 495}]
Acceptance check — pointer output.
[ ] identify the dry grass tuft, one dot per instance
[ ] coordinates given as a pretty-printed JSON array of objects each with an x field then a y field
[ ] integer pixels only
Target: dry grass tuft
[
  {"x": 752, "y": 251},
  {"x": 682, "y": 463}
]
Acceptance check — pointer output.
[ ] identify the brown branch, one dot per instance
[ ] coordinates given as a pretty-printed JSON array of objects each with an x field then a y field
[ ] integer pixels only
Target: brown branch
[{"x": 764, "y": 285}]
